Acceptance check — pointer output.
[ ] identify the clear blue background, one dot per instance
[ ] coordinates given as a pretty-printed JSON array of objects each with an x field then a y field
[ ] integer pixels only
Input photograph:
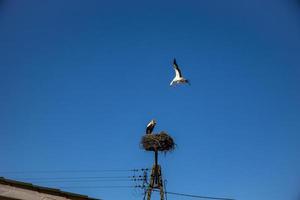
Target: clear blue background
[{"x": 79, "y": 81}]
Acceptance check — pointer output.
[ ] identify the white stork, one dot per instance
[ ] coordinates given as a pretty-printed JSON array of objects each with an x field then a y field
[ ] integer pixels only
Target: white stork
[
  {"x": 150, "y": 126},
  {"x": 178, "y": 75}
]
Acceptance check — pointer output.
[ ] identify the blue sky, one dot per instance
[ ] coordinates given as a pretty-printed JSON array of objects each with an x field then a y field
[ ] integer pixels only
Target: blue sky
[{"x": 79, "y": 81}]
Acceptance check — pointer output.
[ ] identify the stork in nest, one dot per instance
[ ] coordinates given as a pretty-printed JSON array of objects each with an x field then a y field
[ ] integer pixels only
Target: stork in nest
[{"x": 150, "y": 126}]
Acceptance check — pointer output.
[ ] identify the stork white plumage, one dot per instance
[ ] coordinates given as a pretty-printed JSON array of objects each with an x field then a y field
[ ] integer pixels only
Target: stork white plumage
[
  {"x": 150, "y": 126},
  {"x": 178, "y": 79}
]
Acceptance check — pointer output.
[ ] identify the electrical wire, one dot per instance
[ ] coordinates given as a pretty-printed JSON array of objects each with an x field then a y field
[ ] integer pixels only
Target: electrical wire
[
  {"x": 71, "y": 171},
  {"x": 195, "y": 196},
  {"x": 93, "y": 187},
  {"x": 80, "y": 181},
  {"x": 80, "y": 177}
]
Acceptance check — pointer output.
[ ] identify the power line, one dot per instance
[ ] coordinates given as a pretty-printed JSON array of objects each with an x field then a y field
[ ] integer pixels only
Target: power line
[
  {"x": 79, "y": 181},
  {"x": 80, "y": 177},
  {"x": 71, "y": 171},
  {"x": 83, "y": 179},
  {"x": 195, "y": 196},
  {"x": 92, "y": 187}
]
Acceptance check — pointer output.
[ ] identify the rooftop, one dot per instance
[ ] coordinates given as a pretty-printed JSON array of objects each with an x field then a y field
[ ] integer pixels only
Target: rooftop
[{"x": 47, "y": 190}]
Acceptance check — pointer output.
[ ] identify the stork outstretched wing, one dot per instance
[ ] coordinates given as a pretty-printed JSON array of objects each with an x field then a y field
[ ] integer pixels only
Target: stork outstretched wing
[{"x": 176, "y": 68}]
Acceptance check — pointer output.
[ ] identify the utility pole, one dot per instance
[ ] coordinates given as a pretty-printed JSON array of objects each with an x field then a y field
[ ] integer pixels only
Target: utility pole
[
  {"x": 156, "y": 181},
  {"x": 161, "y": 142}
]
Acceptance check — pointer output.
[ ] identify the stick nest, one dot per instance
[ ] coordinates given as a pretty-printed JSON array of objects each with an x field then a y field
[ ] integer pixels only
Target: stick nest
[{"x": 158, "y": 142}]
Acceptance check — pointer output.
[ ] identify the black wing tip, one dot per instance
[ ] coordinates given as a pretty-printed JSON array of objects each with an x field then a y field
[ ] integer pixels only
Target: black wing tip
[
  {"x": 188, "y": 82},
  {"x": 174, "y": 62}
]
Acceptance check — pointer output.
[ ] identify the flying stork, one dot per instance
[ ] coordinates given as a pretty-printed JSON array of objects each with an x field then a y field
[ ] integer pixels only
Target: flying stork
[
  {"x": 150, "y": 126},
  {"x": 179, "y": 79}
]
